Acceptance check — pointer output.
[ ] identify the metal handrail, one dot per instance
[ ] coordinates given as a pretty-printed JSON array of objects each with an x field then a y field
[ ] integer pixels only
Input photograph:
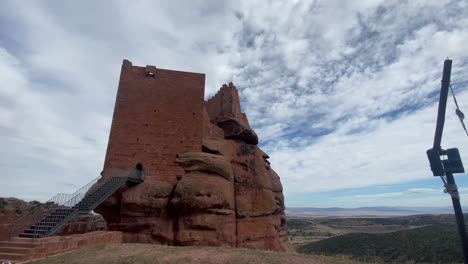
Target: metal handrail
[
  {"x": 65, "y": 201},
  {"x": 61, "y": 200}
]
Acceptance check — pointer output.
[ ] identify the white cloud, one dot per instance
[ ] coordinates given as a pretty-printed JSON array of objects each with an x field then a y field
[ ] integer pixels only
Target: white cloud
[
  {"x": 59, "y": 79},
  {"x": 37, "y": 150},
  {"x": 379, "y": 195},
  {"x": 394, "y": 194},
  {"x": 406, "y": 201},
  {"x": 421, "y": 191},
  {"x": 342, "y": 94},
  {"x": 393, "y": 152}
]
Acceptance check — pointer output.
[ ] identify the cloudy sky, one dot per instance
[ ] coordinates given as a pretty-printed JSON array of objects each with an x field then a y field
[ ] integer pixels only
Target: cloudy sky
[{"x": 343, "y": 94}]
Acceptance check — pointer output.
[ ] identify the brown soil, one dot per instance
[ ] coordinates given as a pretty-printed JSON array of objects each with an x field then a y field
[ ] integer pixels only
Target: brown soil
[{"x": 151, "y": 253}]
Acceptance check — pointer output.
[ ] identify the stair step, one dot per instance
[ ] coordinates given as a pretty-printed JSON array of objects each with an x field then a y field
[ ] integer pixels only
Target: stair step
[
  {"x": 46, "y": 223},
  {"x": 63, "y": 210},
  {"x": 12, "y": 256},
  {"x": 84, "y": 205},
  {"x": 15, "y": 250},
  {"x": 56, "y": 215},
  {"x": 35, "y": 231},
  {"x": 30, "y": 235},
  {"x": 51, "y": 219},
  {"x": 43, "y": 225},
  {"x": 89, "y": 201},
  {"x": 18, "y": 244},
  {"x": 59, "y": 214}
]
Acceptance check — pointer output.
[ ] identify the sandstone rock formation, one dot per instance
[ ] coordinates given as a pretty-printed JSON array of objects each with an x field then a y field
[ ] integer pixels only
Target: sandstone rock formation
[
  {"x": 217, "y": 190},
  {"x": 83, "y": 224}
]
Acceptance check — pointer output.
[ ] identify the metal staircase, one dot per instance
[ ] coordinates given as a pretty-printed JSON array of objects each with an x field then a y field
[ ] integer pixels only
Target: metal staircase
[{"x": 81, "y": 202}]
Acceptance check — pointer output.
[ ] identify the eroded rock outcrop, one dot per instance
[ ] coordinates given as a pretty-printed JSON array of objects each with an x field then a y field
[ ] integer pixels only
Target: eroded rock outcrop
[
  {"x": 229, "y": 194},
  {"x": 224, "y": 111},
  {"x": 83, "y": 224},
  {"x": 211, "y": 185}
]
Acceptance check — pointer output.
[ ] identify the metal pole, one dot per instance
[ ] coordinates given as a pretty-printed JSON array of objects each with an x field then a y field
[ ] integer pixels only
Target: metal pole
[
  {"x": 459, "y": 216},
  {"x": 451, "y": 187},
  {"x": 442, "y": 103}
]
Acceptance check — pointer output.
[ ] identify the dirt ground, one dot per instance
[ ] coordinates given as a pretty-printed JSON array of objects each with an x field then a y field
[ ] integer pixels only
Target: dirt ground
[{"x": 150, "y": 253}]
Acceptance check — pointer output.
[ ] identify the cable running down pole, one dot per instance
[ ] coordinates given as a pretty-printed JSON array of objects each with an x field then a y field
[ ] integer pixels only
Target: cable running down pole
[{"x": 446, "y": 162}]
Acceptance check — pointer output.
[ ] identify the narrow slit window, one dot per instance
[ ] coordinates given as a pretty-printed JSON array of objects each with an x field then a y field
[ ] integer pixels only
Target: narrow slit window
[{"x": 139, "y": 171}]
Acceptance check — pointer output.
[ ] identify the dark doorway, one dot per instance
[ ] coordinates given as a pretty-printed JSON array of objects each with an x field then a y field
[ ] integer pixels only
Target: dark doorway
[{"x": 139, "y": 171}]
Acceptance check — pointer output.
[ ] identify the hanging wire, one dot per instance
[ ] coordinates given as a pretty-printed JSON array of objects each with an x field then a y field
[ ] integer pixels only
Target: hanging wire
[{"x": 458, "y": 112}]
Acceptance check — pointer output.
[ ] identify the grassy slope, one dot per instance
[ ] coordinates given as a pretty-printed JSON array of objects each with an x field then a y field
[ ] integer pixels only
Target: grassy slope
[
  {"x": 429, "y": 244},
  {"x": 151, "y": 253}
]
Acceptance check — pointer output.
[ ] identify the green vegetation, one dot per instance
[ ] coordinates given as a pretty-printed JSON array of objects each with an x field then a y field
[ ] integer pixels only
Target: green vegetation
[
  {"x": 412, "y": 220},
  {"x": 303, "y": 230},
  {"x": 33, "y": 205},
  {"x": 429, "y": 244},
  {"x": 299, "y": 223}
]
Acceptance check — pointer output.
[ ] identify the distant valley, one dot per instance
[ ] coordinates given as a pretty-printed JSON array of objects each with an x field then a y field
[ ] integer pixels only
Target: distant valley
[
  {"x": 412, "y": 238},
  {"x": 369, "y": 211}
]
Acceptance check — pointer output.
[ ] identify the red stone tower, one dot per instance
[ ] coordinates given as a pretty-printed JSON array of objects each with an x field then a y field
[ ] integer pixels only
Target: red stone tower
[
  {"x": 206, "y": 182},
  {"x": 157, "y": 115}
]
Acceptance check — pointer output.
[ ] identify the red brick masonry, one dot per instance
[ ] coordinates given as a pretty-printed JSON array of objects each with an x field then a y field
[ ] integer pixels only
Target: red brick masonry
[{"x": 24, "y": 249}]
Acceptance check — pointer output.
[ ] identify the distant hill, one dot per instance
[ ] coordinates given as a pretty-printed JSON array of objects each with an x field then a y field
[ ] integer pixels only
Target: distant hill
[
  {"x": 408, "y": 220},
  {"x": 304, "y": 229},
  {"x": 429, "y": 244},
  {"x": 369, "y": 211}
]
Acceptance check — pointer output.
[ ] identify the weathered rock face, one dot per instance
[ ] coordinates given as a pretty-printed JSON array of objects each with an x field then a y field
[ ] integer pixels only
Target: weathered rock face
[
  {"x": 237, "y": 193},
  {"x": 218, "y": 189},
  {"x": 224, "y": 111},
  {"x": 83, "y": 224}
]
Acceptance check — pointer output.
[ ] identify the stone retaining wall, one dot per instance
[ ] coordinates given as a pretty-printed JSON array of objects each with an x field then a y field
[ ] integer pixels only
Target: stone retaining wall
[{"x": 59, "y": 244}]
